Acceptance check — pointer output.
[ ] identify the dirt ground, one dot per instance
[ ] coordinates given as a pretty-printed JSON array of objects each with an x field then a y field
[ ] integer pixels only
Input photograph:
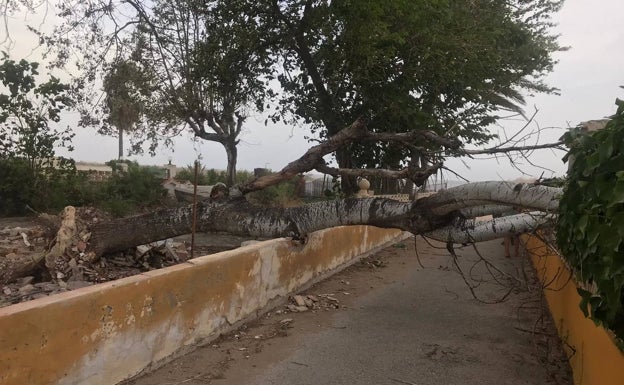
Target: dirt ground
[{"x": 390, "y": 320}]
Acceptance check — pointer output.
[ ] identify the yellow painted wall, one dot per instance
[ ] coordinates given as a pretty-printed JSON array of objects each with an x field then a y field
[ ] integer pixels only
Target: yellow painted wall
[
  {"x": 595, "y": 359},
  {"x": 103, "y": 334}
]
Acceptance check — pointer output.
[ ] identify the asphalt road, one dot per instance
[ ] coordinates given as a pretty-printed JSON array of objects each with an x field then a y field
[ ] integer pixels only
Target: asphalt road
[{"x": 398, "y": 324}]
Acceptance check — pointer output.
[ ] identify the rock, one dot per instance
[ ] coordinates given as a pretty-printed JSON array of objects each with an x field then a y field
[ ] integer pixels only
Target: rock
[
  {"x": 297, "y": 309},
  {"x": 26, "y": 280},
  {"x": 313, "y": 298},
  {"x": 62, "y": 284},
  {"x": 299, "y": 300},
  {"x": 308, "y": 302},
  {"x": 247, "y": 243},
  {"x": 141, "y": 250},
  {"x": 26, "y": 289},
  {"x": 7, "y": 290},
  {"x": 286, "y": 321},
  {"x": 183, "y": 255},
  {"x": 171, "y": 250}
]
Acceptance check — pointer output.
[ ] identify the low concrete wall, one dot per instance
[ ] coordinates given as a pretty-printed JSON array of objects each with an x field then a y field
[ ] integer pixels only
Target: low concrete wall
[
  {"x": 109, "y": 332},
  {"x": 594, "y": 358}
]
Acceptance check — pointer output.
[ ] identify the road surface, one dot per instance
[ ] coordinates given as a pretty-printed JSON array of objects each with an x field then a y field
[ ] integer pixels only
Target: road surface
[{"x": 395, "y": 322}]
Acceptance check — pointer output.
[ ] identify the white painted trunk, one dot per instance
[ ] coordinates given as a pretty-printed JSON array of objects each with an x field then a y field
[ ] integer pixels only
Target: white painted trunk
[
  {"x": 521, "y": 195},
  {"x": 467, "y": 231}
]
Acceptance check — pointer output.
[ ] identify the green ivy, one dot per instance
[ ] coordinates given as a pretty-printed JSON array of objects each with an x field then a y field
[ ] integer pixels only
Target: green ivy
[{"x": 590, "y": 229}]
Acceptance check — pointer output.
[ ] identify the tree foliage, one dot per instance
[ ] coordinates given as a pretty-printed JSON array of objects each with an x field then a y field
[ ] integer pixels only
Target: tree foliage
[
  {"x": 439, "y": 65},
  {"x": 590, "y": 230},
  {"x": 446, "y": 66},
  {"x": 204, "y": 61},
  {"x": 29, "y": 111},
  {"x": 127, "y": 89}
]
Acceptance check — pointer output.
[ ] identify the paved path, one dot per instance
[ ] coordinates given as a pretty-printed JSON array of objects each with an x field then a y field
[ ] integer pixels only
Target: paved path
[{"x": 398, "y": 324}]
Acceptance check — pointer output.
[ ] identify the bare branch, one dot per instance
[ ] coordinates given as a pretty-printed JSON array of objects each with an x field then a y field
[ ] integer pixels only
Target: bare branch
[
  {"x": 496, "y": 150},
  {"x": 418, "y": 176}
]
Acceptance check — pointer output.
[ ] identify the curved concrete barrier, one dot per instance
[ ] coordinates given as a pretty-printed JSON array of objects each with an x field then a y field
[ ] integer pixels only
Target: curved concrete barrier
[
  {"x": 104, "y": 334},
  {"x": 593, "y": 355}
]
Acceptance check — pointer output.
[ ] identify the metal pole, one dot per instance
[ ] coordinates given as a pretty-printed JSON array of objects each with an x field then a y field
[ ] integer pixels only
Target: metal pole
[{"x": 194, "y": 210}]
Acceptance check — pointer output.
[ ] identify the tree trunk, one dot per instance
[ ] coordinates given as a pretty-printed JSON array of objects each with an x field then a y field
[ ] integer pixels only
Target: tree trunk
[
  {"x": 239, "y": 217},
  {"x": 121, "y": 130},
  {"x": 232, "y": 154},
  {"x": 441, "y": 216},
  {"x": 348, "y": 184}
]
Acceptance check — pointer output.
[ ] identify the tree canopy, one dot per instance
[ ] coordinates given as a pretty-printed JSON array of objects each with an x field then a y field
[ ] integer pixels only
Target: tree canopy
[
  {"x": 27, "y": 110},
  {"x": 126, "y": 88},
  {"x": 445, "y": 66},
  {"x": 429, "y": 65}
]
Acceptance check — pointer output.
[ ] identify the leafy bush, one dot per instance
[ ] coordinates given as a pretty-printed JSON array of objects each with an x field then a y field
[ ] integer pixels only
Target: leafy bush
[
  {"x": 590, "y": 229},
  {"x": 18, "y": 186},
  {"x": 285, "y": 194},
  {"x": 210, "y": 176},
  {"x": 48, "y": 189},
  {"x": 131, "y": 190}
]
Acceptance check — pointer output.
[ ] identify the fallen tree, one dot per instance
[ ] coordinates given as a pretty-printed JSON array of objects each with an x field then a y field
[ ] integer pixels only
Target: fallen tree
[{"x": 448, "y": 216}]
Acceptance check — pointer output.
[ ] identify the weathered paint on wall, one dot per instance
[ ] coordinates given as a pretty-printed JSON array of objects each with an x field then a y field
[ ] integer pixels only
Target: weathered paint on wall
[
  {"x": 594, "y": 358},
  {"x": 109, "y": 332}
]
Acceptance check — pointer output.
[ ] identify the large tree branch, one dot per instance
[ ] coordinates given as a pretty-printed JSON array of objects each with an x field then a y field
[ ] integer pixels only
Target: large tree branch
[
  {"x": 237, "y": 216},
  {"x": 471, "y": 230},
  {"x": 310, "y": 160},
  {"x": 418, "y": 176},
  {"x": 522, "y": 195},
  {"x": 436, "y": 217}
]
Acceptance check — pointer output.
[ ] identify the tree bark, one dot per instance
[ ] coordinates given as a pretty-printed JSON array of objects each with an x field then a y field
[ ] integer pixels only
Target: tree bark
[
  {"x": 239, "y": 217},
  {"x": 444, "y": 216},
  {"x": 232, "y": 156},
  {"x": 121, "y": 130}
]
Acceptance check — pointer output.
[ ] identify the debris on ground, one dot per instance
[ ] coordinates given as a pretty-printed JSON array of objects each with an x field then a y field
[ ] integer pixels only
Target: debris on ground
[
  {"x": 302, "y": 303},
  {"x": 29, "y": 238}
]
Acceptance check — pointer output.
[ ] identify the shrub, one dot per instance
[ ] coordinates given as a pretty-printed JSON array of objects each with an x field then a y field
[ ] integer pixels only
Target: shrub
[
  {"x": 590, "y": 229},
  {"x": 131, "y": 190}
]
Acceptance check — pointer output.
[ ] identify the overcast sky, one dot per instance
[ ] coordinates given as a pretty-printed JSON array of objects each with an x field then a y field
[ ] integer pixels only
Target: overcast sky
[{"x": 588, "y": 75}]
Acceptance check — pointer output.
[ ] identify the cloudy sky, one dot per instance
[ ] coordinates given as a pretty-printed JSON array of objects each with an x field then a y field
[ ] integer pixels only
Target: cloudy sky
[{"x": 588, "y": 75}]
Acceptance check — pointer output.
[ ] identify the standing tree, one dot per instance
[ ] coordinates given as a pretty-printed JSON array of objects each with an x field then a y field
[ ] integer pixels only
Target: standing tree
[
  {"x": 444, "y": 66},
  {"x": 406, "y": 65},
  {"x": 126, "y": 88},
  {"x": 26, "y": 112},
  {"x": 29, "y": 114},
  {"x": 207, "y": 64}
]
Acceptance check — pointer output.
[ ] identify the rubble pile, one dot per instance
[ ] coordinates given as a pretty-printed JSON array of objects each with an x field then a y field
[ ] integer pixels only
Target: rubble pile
[{"x": 301, "y": 303}]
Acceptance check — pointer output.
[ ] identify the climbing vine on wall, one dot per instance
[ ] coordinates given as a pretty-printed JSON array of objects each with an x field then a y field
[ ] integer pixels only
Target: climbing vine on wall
[{"x": 590, "y": 230}]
